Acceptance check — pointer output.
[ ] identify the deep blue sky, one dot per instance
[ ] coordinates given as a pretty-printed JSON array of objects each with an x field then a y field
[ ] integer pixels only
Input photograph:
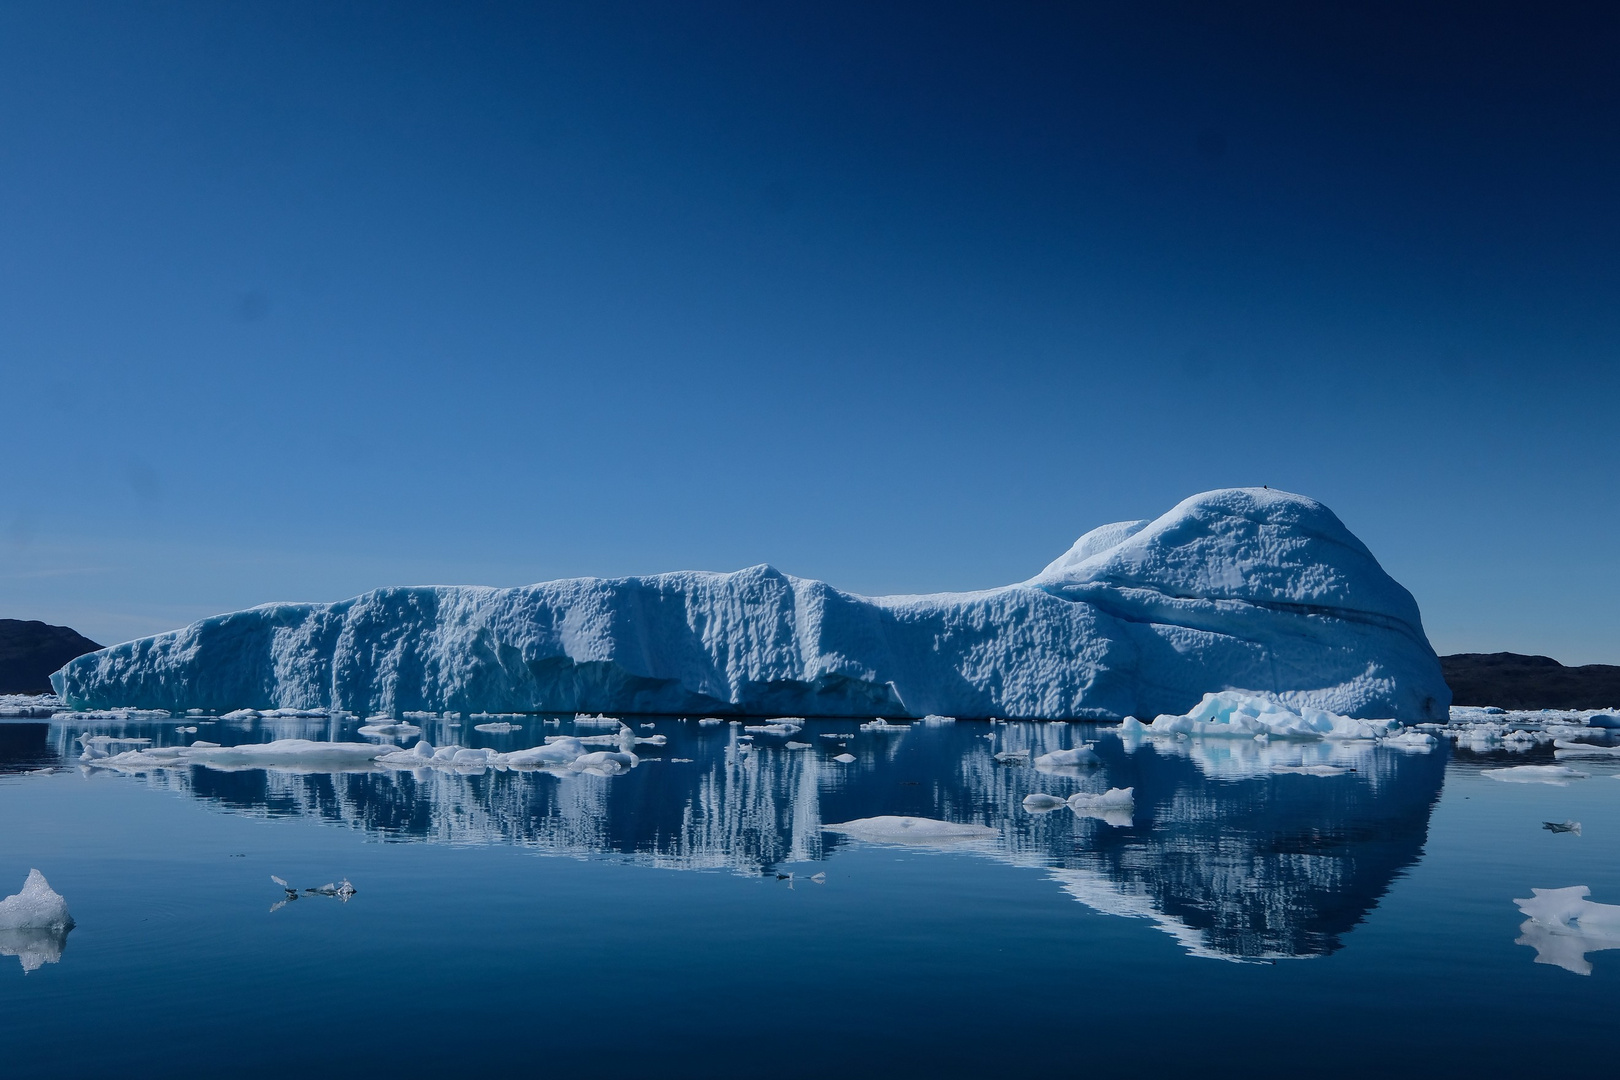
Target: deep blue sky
[{"x": 301, "y": 299}]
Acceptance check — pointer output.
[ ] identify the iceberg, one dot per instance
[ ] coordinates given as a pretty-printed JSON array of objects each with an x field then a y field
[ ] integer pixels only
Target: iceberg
[
  {"x": 1243, "y": 715},
  {"x": 34, "y": 924},
  {"x": 1535, "y": 774},
  {"x": 1238, "y": 589}
]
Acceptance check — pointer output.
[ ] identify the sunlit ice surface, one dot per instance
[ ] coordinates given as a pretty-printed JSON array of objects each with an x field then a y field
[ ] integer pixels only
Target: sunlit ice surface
[{"x": 804, "y": 898}]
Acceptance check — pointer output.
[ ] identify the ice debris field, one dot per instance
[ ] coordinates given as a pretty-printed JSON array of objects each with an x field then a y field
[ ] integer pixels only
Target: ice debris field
[{"x": 1244, "y": 588}]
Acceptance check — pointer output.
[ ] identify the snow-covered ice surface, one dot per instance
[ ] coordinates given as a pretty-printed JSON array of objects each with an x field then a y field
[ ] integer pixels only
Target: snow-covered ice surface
[
  {"x": 1240, "y": 588},
  {"x": 1563, "y": 926}
]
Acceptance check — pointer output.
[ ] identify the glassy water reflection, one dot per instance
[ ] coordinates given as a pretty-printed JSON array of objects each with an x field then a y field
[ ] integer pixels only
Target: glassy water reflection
[{"x": 1231, "y": 847}]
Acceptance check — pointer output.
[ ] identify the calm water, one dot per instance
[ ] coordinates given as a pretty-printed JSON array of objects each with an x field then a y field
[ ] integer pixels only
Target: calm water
[{"x": 1243, "y": 923}]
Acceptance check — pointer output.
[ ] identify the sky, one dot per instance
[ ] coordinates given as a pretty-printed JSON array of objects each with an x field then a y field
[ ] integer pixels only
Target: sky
[{"x": 303, "y": 299}]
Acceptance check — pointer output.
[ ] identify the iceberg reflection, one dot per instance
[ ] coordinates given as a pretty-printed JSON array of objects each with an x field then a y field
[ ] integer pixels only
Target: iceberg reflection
[{"x": 1239, "y": 849}]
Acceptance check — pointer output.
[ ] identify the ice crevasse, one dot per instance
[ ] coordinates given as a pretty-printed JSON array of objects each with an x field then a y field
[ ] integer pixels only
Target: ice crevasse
[{"x": 1237, "y": 589}]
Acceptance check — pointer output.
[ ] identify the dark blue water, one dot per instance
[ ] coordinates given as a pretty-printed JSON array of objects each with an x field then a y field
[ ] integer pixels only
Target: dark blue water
[{"x": 1243, "y": 923}]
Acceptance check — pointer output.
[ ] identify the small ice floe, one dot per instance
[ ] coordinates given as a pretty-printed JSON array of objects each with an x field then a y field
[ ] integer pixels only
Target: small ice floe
[
  {"x": 48, "y": 770},
  {"x": 295, "y": 755},
  {"x": 596, "y": 720},
  {"x": 1242, "y": 714},
  {"x": 1563, "y": 926},
  {"x": 1068, "y": 759},
  {"x": 680, "y": 761},
  {"x": 500, "y": 727},
  {"x": 1562, "y": 827},
  {"x": 881, "y": 725},
  {"x": 1413, "y": 742},
  {"x": 95, "y": 747},
  {"x": 791, "y": 745},
  {"x": 844, "y": 759},
  {"x": 1041, "y": 803},
  {"x": 775, "y": 727},
  {"x": 933, "y": 720},
  {"x": 819, "y": 879},
  {"x": 186, "y": 730},
  {"x": 1567, "y": 749},
  {"x": 34, "y": 924},
  {"x": 1535, "y": 774},
  {"x": 1312, "y": 770},
  {"x": 240, "y": 714},
  {"x": 1114, "y": 806},
  {"x": 836, "y": 735},
  {"x": 383, "y": 727},
  {"x": 710, "y": 721},
  {"x": 1013, "y": 757},
  {"x": 913, "y": 831}
]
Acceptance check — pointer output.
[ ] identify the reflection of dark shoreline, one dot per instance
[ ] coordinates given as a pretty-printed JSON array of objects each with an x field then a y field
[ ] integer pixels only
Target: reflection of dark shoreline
[{"x": 1233, "y": 860}]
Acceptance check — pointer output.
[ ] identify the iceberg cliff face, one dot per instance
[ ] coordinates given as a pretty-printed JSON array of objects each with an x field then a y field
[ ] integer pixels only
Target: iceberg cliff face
[{"x": 1241, "y": 588}]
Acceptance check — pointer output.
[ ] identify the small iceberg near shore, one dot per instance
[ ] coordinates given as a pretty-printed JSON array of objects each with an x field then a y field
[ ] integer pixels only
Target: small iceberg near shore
[{"x": 1068, "y": 759}]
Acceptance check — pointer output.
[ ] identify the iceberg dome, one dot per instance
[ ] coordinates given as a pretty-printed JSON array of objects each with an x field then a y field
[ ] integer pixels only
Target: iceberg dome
[{"x": 1238, "y": 589}]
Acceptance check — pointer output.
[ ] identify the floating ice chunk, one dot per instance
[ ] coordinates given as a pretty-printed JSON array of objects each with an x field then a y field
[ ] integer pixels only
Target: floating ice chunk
[
  {"x": 241, "y": 714},
  {"x": 1603, "y": 720},
  {"x": 1562, "y": 827},
  {"x": 1009, "y": 757},
  {"x": 605, "y": 762},
  {"x": 185, "y": 730},
  {"x": 933, "y": 720},
  {"x": 500, "y": 727},
  {"x": 1535, "y": 774},
  {"x": 1040, "y": 803},
  {"x": 1567, "y": 749},
  {"x": 844, "y": 759},
  {"x": 202, "y": 744},
  {"x": 1412, "y": 742},
  {"x": 779, "y": 728},
  {"x": 36, "y": 907},
  {"x": 1241, "y": 714},
  {"x": 880, "y": 724},
  {"x": 1312, "y": 770},
  {"x": 1564, "y": 926},
  {"x": 298, "y": 755},
  {"x": 1112, "y": 799},
  {"x": 819, "y": 879},
  {"x": 790, "y": 745},
  {"x": 710, "y": 721},
  {"x": 913, "y": 831},
  {"x": 387, "y": 729},
  {"x": 596, "y": 720},
  {"x": 1080, "y": 755}
]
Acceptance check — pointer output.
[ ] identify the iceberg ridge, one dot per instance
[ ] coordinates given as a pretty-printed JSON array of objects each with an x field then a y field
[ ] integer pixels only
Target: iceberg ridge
[{"x": 1238, "y": 588}]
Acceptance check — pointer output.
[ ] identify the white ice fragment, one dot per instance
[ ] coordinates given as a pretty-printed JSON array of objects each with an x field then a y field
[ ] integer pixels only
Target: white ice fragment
[
  {"x": 1564, "y": 926},
  {"x": 819, "y": 879},
  {"x": 1008, "y": 757},
  {"x": 36, "y": 907},
  {"x": 1312, "y": 770},
  {"x": 1040, "y": 803},
  {"x": 880, "y": 724},
  {"x": 386, "y": 728},
  {"x": 1080, "y": 755},
  {"x": 790, "y": 745},
  {"x": 913, "y": 831},
  {"x": 710, "y": 721},
  {"x": 1567, "y": 749},
  {"x": 241, "y": 714},
  {"x": 1112, "y": 799},
  {"x": 933, "y": 720},
  {"x": 500, "y": 727},
  {"x": 844, "y": 759},
  {"x": 185, "y": 730},
  {"x": 1535, "y": 774},
  {"x": 1242, "y": 714},
  {"x": 297, "y": 755},
  {"x": 781, "y": 728},
  {"x": 1412, "y": 742}
]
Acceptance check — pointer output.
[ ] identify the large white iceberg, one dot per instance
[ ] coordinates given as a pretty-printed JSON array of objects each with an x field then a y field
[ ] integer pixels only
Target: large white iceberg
[{"x": 1239, "y": 588}]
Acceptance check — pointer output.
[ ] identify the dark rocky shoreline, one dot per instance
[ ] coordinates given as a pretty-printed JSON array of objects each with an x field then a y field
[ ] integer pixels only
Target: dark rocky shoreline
[
  {"x": 1517, "y": 681},
  {"x": 30, "y": 650}
]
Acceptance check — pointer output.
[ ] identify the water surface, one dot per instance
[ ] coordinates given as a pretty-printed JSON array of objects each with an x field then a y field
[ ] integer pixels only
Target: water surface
[{"x": 696, "y": 917}]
